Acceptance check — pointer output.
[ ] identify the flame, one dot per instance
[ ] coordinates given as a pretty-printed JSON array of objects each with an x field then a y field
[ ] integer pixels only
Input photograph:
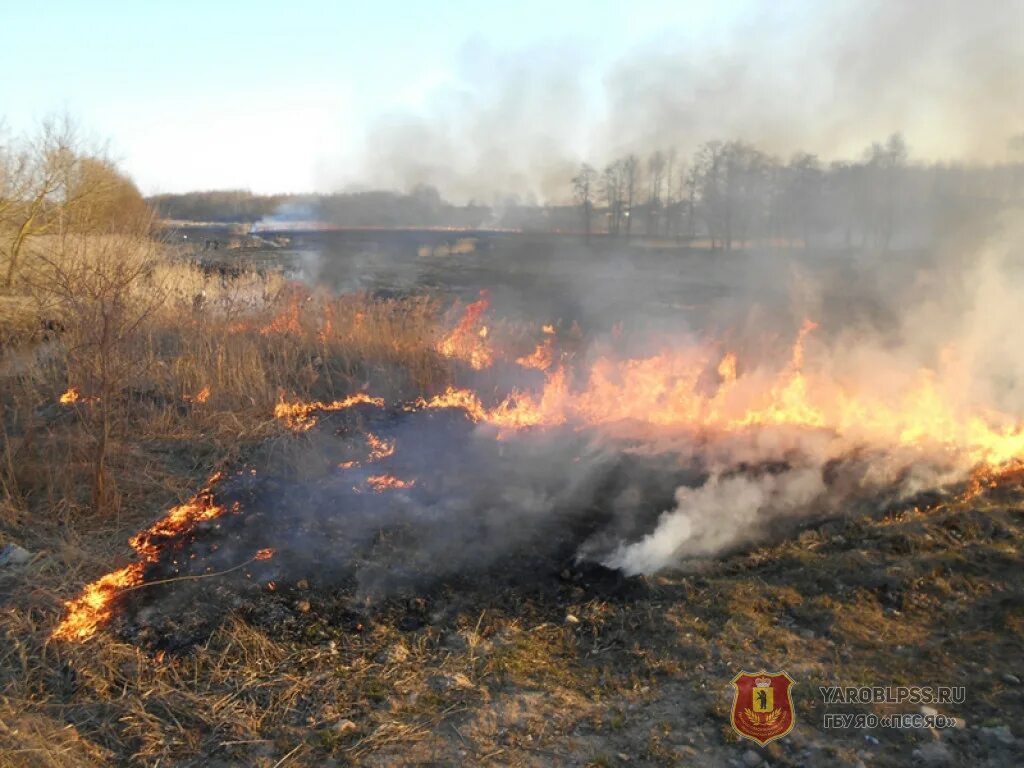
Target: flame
[
  {"x": 86, "y": 614},
  {"x": 264, "y": 554},
  {"x": 379, "y": 449},
  {"x": 326, "y": 331},
  {"x": 922, "y": 411},
  {"x": 663, "y": 390},
  {"x": 542, "y": 358},
  {"x": 727, "y": 369},
  {"x": 548, "y": 330},
  {"x": 463, "y": 399},
  {"x": 70, "y": 397},
  {"x": 178, "y": 520},
  {"x": 301, "y": 416},
  {"x": 468, "y": 341},
  {"x": 288, "y": 321},
  {"x": 381, "y": 483},
  {"x": 200, "y": 397}
]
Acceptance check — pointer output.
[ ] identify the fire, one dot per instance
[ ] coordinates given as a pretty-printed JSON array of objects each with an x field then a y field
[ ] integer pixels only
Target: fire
[
  {"x": 178, "y": 520},
  {"x": 921, "y": 411},
  {"x": 74, "y": 396},
  {"x": 664, "y": 390},
  {"x": 379, "y": 449},
  {"x": 468, "y": 341},
  {"x": 454, "y": 398},
  {"x": 288, "y": 321},
  {"x": 727, "y": 369},
  {"x": 264, "y": 554},
  {"x": 381, "y": 483},
  {"x": 542, "y": 358},
  {"x": 548, "y": 330},
  {"x": 199, "y": 397},
  {"x": 86, "y": 614},
  {"x": 301, "y": 417},
  {"x": 326, "y": 331}
]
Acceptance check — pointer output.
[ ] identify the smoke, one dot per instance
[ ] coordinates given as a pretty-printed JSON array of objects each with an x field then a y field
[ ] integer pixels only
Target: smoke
[
  {"x": 718, "y": 515},
  {"x": 829, "y": 80},
  {"x": 504, "y": 129}
]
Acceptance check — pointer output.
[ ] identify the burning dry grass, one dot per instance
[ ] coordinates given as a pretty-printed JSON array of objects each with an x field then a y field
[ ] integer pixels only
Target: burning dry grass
[
  {"x": 215, "y": 361},
  {"x": 575, "y": 675},
  {"x": 206, "y": 363}
]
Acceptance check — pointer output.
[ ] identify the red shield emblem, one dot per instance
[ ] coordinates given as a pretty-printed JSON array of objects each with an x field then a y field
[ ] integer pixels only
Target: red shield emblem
[{"x": 763, "y": 707}]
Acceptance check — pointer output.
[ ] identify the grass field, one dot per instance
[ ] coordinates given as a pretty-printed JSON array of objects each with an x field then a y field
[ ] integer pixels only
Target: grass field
[{"x": 574, "y": 667}]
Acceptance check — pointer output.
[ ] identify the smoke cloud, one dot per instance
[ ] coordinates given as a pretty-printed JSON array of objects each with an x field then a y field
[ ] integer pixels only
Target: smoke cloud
[
  {"x": 787, "y": 78},
  {"x": 708, "y": 519}
]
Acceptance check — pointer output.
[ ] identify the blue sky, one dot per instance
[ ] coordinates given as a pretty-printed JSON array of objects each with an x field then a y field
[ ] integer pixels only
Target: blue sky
[
  {"x": 313, "y": 95},
  {"x": 192, "y": 94}
]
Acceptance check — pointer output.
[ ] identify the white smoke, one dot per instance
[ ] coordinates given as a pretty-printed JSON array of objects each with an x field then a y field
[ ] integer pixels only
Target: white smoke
[{"x": 718, "y": 514}]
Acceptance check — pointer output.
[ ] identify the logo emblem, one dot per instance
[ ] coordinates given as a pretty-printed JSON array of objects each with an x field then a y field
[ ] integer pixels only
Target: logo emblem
[{"x": 762, "y": 709}]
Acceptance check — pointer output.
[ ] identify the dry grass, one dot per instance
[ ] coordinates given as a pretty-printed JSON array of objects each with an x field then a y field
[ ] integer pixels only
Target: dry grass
[
  {"x": 202, "y": 371},
  {"x": 210, "y": 358},
  {"x": 509, "y": 683}
]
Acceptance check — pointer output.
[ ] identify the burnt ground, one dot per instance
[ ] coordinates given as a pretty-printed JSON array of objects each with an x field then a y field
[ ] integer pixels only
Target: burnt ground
[
  {"x": 518, "y": 655},
  {"x": 527, "y": 657}
]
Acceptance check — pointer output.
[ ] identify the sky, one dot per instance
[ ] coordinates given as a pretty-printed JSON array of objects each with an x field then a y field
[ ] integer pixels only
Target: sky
[{"x": 476, "y": 97}]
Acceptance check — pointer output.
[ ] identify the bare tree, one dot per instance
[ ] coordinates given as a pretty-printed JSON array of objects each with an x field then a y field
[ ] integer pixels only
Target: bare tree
[
  {"x": 800, "y": 201},
  {"x": 583, "y": 187},
  {"x": 33, "y": 174},
  {"x": 709, "y": 167},
  {"x": 48, "y": 182},
  {"x": 670, "y": 161},
  {"x": 613, "y": 189},
  {"x": 895, "y": 158},
  {"x": 631, "y": 177},
  {"x": 656, "y": 176},
  {"x": 103, "y": 287}
]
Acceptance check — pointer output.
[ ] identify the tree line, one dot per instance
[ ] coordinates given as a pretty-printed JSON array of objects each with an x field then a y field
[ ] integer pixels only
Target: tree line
[{"x": 731, "y": 192}]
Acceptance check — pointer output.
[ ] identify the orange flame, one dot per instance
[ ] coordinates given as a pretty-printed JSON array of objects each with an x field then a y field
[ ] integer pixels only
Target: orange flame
[
  {"x": 727, "y": 369},
  {"x": 179, "y": 519},
  {"x": 86, "y": 614},
  {"x": 542, "y": 358},
  {"x": 70, "y": 397},
  {"x": 381, "y": 483},
  {"x": 379, "y": 449},
  {"x": 301, "y": 417},
  {"x": 454, "y": 398},
  {"x": 200, "y": 397},
  {"x": 663, "y": 390},
  {"x": 326, "y": 331},
  {"x": 468, "y": 341},
  {"x": 288, "y": 321}
]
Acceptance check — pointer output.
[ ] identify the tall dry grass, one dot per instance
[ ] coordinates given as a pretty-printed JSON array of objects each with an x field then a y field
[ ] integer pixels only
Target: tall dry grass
[
  {"x": 177, "y": 372},
  {"x": 176, "y": 369}
]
